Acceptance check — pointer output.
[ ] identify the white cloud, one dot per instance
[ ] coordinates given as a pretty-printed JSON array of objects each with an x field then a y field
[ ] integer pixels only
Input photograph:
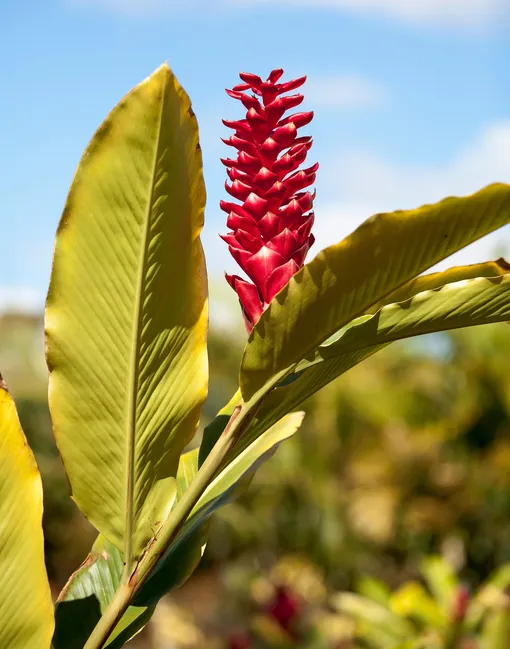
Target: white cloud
[
  {"x": 345, "y": 93},
  {"x": 367, "y": 184},
  {"x": 468, "y": 13},
  {"x": 464, "y": 13}
]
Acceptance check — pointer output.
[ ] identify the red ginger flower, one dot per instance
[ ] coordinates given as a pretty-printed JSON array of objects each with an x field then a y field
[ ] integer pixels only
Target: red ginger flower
[
  {"x": 285, "y": 608},
  {"x": 270, "y": 225},
  {"x": 239, "y": 641},
  {"x": 460, "y": 604}
]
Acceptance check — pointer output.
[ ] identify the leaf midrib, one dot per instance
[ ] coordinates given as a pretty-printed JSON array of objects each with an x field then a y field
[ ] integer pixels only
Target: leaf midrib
[{"x": 134, "y": 368}]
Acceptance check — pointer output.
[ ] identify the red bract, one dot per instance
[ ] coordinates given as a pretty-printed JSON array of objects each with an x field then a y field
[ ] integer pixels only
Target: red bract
[
  {"x": 239, "y": 641},
  {"x": 271, "y": 218},
  {"x": 460, "y": 604},
  {"x": 285, "y": 608}
]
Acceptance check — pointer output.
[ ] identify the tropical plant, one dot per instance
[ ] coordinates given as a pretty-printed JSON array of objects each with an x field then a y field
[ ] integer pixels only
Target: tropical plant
[
  {"x": 291, "y": 606},
  {"x": 435, "y": 613},
  {"x": 126, "y": 328}
]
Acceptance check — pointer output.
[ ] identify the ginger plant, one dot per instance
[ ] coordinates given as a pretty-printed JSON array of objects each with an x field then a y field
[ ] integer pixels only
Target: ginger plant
[{"x": 126, "y": 332}]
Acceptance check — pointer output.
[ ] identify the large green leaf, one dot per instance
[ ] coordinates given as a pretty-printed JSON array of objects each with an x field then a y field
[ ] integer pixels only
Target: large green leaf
[
  {"x": 469, "y": 302},
  {"x": 26, "y": 611},
  {"x": 126, "y": 314},
  {"x": 346, "y": 279},
  {"x": 228, "y": 484},
  {"x": 304, "y": 383},
  {"x": 92, "y": 587}
]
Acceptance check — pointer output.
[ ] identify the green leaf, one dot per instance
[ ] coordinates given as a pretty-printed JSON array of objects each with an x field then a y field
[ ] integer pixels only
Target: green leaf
[
  {"x": 26, "y": 610},
  {"x": 500, "y": 578},
  {"x": 330, "y": 361},
  {"x": 185, "y": 553},
  {"x": 224, "y": 488},
  {"x": 346, "y": 279},
  {"x": 188, "y": 468},
  {"x": 377, "y": 624},
  {"x": 126, "y": 314},
  {"x": 91, "y": 588},
  {"x": 213, "y": 430},
  {"x": 496, "y": 629},
  {"x": 490, "y": 595},
  {"x": 288, "y": 397},
  {"x": 436, "y": 280},
  {"x": 246, "y": 463},
  {"x": 176, "y": 566},
  {"x": 412, "y": 601},
  {"x": 86, "y": 596},
  {"x": 469, "y": 302},
  {"x": 441, "y": 580},
  {"x": 374, "y": 589}
]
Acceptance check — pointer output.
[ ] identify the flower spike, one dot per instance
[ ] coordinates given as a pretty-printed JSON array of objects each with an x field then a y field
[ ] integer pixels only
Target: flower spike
[{"x": 272, "y": 219}]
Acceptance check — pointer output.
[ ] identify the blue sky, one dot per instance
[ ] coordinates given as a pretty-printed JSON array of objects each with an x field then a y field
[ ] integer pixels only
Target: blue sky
[{"x": 412, "y": 103}]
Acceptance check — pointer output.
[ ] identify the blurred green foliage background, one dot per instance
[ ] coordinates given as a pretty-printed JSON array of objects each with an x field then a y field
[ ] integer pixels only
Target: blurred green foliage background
[{"x": 405, "y": 456}]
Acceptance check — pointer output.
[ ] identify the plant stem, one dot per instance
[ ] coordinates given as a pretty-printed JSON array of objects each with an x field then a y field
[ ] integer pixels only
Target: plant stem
[
  {"x": 453, "y": 637},
  {"x": 238, "y": 423},
  {"x": 113, "y": 612},
  {"x": 236, "y": 426}
]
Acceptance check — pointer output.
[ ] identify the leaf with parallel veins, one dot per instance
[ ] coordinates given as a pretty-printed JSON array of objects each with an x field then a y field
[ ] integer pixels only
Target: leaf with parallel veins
[
  {"x": 126, "y": 314},
  {"x": 347, "y": 279},
  {"x": 26, "y": 611}
]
